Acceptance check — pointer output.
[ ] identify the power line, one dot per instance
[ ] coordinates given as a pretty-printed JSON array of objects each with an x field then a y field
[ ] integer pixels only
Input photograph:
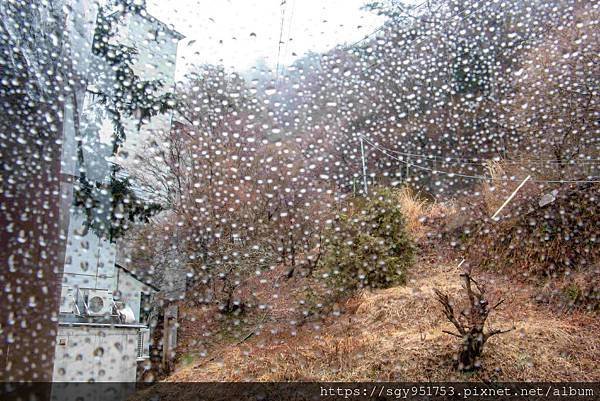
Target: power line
[
  {"x": 483, "y": 162},
  {"x": 349, "y": 47},
  {"x": 479, "y": 177},
  {"x": 385, "y": 24},
  {"x": 410, "y": 28},
  {"x": 282, "y": 6},
  {"x": 289, "y": 33}
]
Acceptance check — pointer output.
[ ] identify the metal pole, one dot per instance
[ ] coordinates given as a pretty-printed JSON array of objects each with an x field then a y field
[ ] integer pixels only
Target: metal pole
[
  {"x": 510, "y": 197},
  {"x": 364, "y": 166}
]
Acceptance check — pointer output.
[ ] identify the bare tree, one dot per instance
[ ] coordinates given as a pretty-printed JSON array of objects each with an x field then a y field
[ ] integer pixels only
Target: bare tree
[{"x": 470, "y": 322}]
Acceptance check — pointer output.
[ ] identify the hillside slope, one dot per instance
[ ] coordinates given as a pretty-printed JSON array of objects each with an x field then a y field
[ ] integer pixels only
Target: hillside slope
[{"x": 396, "y": 334}]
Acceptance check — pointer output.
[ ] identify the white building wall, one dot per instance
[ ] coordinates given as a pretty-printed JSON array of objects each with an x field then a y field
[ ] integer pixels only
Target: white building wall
[
  {"x": 90, "y": 260},
  {"x": 106, "y": 354},
  {"x": 155, "y": 59},
  {"x": 80, "y": 22},
  {"x": 86, "y": 351}
]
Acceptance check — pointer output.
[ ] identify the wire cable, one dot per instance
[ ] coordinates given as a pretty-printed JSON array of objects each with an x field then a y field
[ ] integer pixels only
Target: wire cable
[
  {"x": 474, "y": 161},
  {"x": 479, "y": 177},
  {"x": 282, "y": 6}
]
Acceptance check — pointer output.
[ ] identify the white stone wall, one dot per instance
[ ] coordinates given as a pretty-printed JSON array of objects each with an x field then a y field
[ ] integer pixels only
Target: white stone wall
[{"x": 106, "y": 354}]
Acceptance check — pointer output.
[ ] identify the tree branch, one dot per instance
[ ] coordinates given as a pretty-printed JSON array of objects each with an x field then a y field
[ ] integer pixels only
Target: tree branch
[
  {"x": 452, "y": 334},
  {"x": 498, "y": 331},
  {"x": 448, "y": 310}
]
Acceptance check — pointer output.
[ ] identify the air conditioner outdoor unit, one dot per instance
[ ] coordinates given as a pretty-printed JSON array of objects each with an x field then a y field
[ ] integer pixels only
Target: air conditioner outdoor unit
[{"x": 99, "y": 303}]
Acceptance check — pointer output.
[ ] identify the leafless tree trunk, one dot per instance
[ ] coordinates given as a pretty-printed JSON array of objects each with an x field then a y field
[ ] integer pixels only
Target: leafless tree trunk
[{"x": 470, "y": 322}]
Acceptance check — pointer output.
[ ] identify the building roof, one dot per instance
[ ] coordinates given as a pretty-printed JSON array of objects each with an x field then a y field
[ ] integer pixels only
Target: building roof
[
  {"x": 146, "y": 15},
  {"x": 178, "y": 35},
  {"x": 132, "y": 274}
]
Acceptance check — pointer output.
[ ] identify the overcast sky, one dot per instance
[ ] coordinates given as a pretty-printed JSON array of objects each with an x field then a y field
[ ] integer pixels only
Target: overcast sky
[{"x": 237, "y": 33}]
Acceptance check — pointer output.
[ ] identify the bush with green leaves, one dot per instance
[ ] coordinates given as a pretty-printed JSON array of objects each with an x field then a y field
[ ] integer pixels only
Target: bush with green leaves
[{"x": 370, "y": 247}]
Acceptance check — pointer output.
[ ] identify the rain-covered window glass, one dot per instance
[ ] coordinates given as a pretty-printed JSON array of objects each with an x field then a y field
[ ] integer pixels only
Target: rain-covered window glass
[{"x": 305, "y": 191}]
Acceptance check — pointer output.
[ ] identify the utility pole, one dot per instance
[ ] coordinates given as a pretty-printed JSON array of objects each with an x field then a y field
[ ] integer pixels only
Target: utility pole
[{"x": 364, "y": 166}]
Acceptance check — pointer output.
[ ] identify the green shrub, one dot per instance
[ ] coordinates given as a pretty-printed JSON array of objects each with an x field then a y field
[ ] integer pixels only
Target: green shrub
[{"x": 371, "y": 247}]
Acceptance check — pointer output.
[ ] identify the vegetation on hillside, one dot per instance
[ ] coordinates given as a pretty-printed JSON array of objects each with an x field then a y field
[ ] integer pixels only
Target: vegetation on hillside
[
  {"x": 288, "y": 198},
  {"x": 380, "y": 210},
  {"x": 371, "y": 247}
]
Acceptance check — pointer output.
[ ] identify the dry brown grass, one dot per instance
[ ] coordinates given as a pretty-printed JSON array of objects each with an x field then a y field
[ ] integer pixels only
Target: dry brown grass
[
  {"x": 421, "y": 214},
  {"x": 493, "y": 191},
  {"x": 413, "y": 208},
  {"x": 395, "y": 334}
]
